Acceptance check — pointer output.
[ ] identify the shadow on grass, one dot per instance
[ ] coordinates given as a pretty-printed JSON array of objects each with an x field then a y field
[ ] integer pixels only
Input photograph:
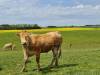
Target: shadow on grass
[
  {"x": 55, "y": 68},
  {"x": 67, "y": 65},
  {"x": 0, "y": 69}
]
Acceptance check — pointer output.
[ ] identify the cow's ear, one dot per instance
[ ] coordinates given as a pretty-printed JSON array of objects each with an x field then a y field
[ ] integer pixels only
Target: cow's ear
[
  {"x": 17, "y": 34},
  {"x": 29, "y": 33}
]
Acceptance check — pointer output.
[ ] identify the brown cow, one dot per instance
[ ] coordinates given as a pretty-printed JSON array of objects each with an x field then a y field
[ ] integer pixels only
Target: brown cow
[{"x": 41, "y": 43}]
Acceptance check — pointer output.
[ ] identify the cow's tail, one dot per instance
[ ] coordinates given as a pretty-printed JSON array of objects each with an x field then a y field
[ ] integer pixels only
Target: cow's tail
[{"x": 59, "y": 54}]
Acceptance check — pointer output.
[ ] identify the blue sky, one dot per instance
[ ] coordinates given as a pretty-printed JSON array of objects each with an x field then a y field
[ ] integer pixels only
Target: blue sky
[{"x": 50, "y": 12}]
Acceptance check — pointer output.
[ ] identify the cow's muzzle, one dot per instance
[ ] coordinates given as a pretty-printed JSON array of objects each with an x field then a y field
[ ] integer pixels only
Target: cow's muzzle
[{"x": 23, "y": 43}]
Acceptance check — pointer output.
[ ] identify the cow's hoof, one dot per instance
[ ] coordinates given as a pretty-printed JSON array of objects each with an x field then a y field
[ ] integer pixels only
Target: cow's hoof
[
  {"x": 56, "y": 65},
  {"x": 39, "y": 69},
  {"x": 23, "y": 70},
  {"x": 50, "y": 66},
  {"x": 29, "y": 61}
]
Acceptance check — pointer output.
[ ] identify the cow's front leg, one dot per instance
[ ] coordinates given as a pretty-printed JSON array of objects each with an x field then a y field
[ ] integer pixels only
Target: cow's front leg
[
  {"x": 25, "y": 63},
  {"x": 38, "y": 60}
]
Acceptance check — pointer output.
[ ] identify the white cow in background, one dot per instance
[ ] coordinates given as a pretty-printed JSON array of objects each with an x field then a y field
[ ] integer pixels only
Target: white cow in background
[{"x": 9, "y": 46}]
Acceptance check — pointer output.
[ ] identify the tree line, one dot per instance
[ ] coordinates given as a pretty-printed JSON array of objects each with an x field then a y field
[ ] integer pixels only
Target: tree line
[
  {"x": 19, "y": 26},
  {"x": 36, "y": 26}
]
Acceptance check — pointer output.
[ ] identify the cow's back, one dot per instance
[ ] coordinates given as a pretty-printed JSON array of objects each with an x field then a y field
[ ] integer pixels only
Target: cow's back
[
  {"x": 49, "y": 38},
  {"x": 47, "y": 41}
]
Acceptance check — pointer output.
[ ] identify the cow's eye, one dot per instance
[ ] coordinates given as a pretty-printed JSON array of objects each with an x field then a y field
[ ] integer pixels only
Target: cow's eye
[{"x": 26, "y": 37}]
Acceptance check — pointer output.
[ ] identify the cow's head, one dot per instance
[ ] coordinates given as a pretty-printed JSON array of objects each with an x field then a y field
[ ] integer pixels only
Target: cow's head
[{"x": 24, "y": 37}]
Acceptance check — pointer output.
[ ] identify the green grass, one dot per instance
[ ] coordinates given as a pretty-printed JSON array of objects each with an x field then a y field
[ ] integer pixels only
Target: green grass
[{"x": 83, "y": 58}]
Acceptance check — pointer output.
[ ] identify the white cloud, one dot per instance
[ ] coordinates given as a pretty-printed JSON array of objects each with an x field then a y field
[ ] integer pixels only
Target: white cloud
[
  {"x": 74, "y": 10},
  {"x": 33, "y": 10},
  {"x": 97, "y": 7},
  {"x": 80, "y": 6}
]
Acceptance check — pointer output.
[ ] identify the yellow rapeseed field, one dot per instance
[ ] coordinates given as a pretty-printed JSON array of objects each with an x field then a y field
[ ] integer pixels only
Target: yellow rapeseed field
[{"x": 51, "y": 29}]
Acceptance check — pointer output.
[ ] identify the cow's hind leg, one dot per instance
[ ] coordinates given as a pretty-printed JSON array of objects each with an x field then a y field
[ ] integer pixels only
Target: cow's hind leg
[
  {"x": 12, "y": 48},
  {"x": 55, "y": 57}
]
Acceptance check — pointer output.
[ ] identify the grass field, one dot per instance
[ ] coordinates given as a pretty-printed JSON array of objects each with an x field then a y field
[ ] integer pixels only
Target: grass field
[{"x": 83, "y": 58}]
